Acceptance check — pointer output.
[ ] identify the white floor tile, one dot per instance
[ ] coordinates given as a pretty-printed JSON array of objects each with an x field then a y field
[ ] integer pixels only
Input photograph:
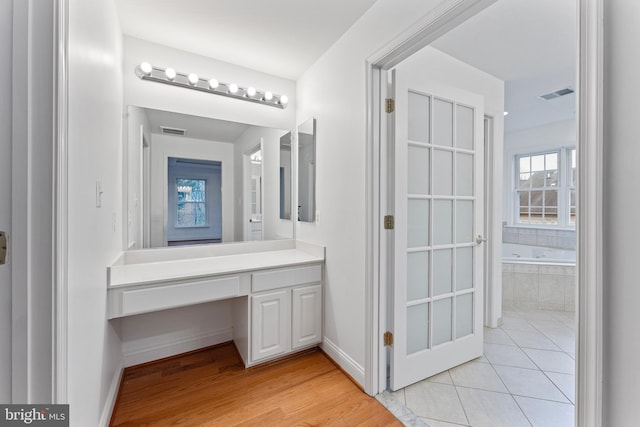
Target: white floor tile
[
  {"x": 542, "y": 413},
  {"x": 532, "y": 339},
  {"x": 490, "y": 409},
  {"x": 437, "y": 423},
  {"x": 497, "y": 336},
  {"x": 566, "y": 383},
  {"x": 437, "y": 401},
  {"x": 552, "y": 361},
  {"x": 477, "y": 375},
  {"x": 529, "y": 383},
  {"x": 443, "y": 378},
  {"x": 507, "y": 355},
  {"x": 516, "y": 324}
]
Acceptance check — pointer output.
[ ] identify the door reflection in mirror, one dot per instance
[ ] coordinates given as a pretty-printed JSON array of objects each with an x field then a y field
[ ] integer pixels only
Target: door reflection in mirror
[{"x": 307, "y": 171}]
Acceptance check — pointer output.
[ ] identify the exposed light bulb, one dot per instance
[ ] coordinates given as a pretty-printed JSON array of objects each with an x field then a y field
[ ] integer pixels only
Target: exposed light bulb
[
  {"x": 506, "y": 113},
  {"x": 170, "y": 73},
  {"x": 193, "y": 78},
  {"x": 213, "y": 83},
  {"x": 251, "y": 91},
  {"x": 146, "y": 68},
  {"x": 268, "y": 96},
  {"x": 233, "y": 88},
  {"x": 284, "y": 99}
]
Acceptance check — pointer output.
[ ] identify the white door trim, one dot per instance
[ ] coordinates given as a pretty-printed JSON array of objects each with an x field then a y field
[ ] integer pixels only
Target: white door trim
[
  {"x": 589, "y": 229},
  {"x": 589, "y": 346},
  {"x": 60, "y": 200}
]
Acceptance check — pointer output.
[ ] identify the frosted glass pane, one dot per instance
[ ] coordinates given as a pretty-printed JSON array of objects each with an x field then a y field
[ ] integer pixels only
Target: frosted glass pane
[
  {"x": 464, "y": 221},
  {"x": 418, "y": 170},
  {"x": 417, "y": 328},
  {"x": 464, "y": 174},
  {"x": 442, "y": 172},
  {"x": 441, "y": 271},
  {"x": 419, "y": 117},
  {"x": 441, "y": 321},
  {"x": 442, "y": 123},
  {"x": 464, "y": 268},
  {"x": 464, "y": 127},
  {"x": 442, "y": 222},
  {"x": 417, "y": 275},
  {"x": 418, "y": 223},
  {"x": 464, "y": 315}
]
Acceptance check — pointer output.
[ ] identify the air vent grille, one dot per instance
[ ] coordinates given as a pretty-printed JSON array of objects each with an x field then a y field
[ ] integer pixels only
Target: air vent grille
[
  {"x": 556, "y": 94},
  {"x": 172, "y": 131}
]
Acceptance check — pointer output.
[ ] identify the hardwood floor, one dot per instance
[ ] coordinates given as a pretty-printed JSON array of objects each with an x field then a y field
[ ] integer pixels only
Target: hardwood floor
[{"x": 210, "y": 387}]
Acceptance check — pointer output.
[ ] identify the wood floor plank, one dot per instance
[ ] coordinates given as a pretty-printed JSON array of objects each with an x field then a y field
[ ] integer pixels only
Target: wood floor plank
[{"x": 211, "y": 388}]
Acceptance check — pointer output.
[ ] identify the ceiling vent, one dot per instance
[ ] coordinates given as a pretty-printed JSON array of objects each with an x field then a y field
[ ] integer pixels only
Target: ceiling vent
[
  {"x": 556, "y": 94},
  {"x": 172, "y": 131}
]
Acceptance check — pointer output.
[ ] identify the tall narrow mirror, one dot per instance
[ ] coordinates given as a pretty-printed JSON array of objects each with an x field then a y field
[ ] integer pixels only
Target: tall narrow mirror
[
  {"x": 285, "y": 176},
  {"x": 307, "y": 171}
]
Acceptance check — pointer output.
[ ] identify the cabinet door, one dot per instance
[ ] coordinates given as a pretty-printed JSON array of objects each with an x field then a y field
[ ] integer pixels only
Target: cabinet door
[
  {"x": 306, "y": 318},
  {"x": 270, "y": 327}
]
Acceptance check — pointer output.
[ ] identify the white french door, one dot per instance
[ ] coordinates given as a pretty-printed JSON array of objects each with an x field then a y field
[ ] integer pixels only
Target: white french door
[{"x": 438, "y": 199}]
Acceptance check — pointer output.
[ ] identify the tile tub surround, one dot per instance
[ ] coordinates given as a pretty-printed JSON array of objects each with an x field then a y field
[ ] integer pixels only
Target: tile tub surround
[
  {"x": 526, "y": 378},
  {"x": 546, "y": 237},
  {"x": 538, "y": 287}
]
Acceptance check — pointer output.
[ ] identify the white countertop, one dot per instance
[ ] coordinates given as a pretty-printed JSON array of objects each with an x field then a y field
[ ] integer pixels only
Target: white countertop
[{"x": 167, "y": 271}]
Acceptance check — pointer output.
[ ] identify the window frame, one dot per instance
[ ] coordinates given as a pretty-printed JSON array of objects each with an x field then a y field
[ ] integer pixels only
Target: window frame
[
  {"x": 205, "y": 203},
  {"x": 565, "y": 187}
]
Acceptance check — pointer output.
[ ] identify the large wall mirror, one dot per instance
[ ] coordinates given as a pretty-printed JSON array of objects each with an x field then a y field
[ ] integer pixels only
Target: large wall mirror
[
  {"x": 198, "y": 180},
  {"x": 307, "y": 171}
]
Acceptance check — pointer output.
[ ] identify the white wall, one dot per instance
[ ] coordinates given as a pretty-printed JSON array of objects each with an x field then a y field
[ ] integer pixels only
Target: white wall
[
  {"x": 95, "y": 234},
  {"x": 542, "y": 138},
  {"x": 333, "y": 91},
  {"x": 170, "y": 98},
  {"x": 133, "y": 164},
  {"x": 163, "y": 147},
  {"x": 6, "y": 40},
  {"x": 622, "y": 204},
  {"x": 152, "y": 336}
]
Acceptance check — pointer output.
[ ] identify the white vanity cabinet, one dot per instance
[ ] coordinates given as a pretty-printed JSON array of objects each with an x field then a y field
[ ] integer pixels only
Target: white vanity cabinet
[
  {"x": 286, "y": 311},
  {"x": 274, "y": 289}
]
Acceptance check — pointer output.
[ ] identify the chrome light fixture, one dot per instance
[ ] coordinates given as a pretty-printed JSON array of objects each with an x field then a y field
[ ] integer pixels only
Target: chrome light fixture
[{"x": 146, "y": 71}]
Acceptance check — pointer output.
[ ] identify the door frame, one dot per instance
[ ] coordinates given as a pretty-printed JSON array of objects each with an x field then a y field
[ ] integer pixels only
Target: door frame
[{"x": 589, "y": 346}]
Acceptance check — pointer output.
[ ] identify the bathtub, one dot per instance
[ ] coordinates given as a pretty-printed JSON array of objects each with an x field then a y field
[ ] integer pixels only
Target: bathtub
[
  {"x": 538, "y": 278},
  {"x": 514, "y": 253}
]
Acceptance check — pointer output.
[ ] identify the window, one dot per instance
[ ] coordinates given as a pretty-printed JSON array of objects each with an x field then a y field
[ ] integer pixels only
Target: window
[
  {"x": 544, "y": 192},
  {"x": 191, "y": 207}
]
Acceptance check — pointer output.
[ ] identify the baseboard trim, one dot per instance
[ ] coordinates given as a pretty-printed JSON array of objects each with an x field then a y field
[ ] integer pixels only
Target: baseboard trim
[
  {"x": 350, "y": 366},
  {"x": 184, "y": 345},
  {"x": 112, "y": 397}
]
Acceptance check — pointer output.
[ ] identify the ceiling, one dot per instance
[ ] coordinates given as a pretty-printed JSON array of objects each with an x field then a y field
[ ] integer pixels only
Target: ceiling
[
  {"x": 196, "y": 127},
  {"x": 278, "y": 37},
  {"x": 531, "y": 45}
]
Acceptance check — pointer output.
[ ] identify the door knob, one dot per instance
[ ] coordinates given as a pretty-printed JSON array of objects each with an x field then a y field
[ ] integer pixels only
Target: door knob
[{"x": 480, "y": 239}]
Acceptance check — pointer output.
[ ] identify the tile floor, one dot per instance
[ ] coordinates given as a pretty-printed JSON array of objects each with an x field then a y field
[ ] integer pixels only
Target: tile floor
[{"x": 525, "y": 378}]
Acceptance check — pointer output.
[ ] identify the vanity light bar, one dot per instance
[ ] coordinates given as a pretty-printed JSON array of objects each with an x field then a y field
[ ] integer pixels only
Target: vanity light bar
[{"x": 146, "y": 71}]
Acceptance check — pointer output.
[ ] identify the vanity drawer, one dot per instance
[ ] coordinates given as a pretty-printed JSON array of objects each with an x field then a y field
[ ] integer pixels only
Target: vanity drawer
[
  {"x": 285, "y": 277},
  {"x": 162, "y": 297}
]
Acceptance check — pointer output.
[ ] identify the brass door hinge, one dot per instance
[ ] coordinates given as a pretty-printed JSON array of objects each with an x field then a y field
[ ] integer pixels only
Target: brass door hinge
[
  {"x": 3, "y": 247},
  {"x": 390, "y": 105},
  {"x": 389, "y": 222},
  {"x": 388, "y": 339}
]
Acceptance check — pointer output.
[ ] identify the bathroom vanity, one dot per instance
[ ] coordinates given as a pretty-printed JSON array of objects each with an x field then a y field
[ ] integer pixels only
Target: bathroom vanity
[{"x": 275, "y": 288}]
